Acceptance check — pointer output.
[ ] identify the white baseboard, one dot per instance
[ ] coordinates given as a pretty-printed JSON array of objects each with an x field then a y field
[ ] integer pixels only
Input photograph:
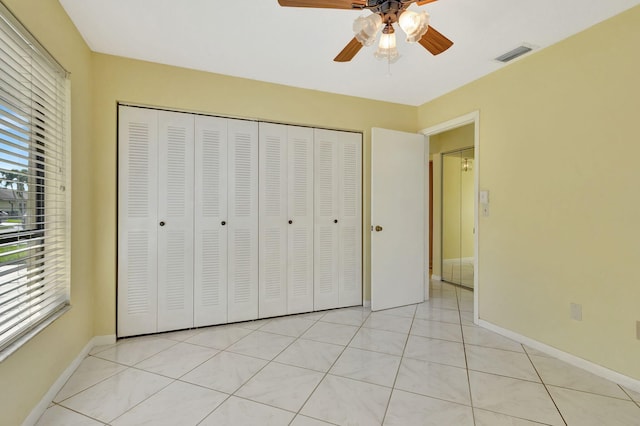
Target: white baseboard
[
  {"x": 44, "y": 403},
  {"x": 366, "y": 303},
  {"x": 436, "y": 277},
  {"x": 589, "y": 366},
  {"x": 109, "y": 339}
]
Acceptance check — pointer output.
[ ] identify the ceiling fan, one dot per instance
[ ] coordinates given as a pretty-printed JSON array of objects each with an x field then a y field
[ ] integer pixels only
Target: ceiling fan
[{"x": 385, "y": 14}]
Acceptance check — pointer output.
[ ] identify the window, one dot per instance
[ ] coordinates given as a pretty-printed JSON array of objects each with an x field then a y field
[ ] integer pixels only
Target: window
[{"x": 34, "y": 260}]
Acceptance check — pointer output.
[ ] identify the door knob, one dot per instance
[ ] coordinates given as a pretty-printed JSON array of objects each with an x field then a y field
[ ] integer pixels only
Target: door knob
[
  {"x": 290, "y": 222},
  {"x": 223, "y": 223},
  {"x": 161, "y": 223},
  {"x": 335, "y": 220},
  {"x": 378, "y": 228}
]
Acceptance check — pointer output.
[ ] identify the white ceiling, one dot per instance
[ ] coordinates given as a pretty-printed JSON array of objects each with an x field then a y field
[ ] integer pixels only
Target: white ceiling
[{"x": 260, "y": 40}]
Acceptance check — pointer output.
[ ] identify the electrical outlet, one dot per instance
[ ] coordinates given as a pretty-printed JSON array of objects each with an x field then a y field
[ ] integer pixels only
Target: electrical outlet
[
  {"x": 576, "y": 311},
  {"x": 638, "y": 330}
]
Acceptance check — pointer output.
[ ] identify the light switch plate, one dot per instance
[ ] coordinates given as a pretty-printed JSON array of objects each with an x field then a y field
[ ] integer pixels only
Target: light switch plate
[
  {"x": 484, "y": 197},
  {"x": 576, "y": 311}
]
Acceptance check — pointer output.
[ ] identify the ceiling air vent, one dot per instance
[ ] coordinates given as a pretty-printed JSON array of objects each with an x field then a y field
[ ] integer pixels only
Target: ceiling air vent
[{"x": 513, "y": 54}]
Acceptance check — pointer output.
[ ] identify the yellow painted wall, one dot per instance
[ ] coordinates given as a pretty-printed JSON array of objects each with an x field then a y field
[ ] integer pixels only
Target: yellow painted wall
[
  {"x": 119, "y": 79},
  {"x": 559, "y": 152},
  {"x": 450, "y": 140},
  {"x": 29, "y": 373}
]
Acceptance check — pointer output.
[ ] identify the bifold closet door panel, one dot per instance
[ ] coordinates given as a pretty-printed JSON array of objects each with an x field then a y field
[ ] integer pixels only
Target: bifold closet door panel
[
  {"x": 175, "y": 220},
  {"x": 242, "y": 164},
  {"x": 300, "y": 213},
  {"x": 350, "y": 218},
  {"x": 137, "y": 221},
  {"x": 325, "y": 264},
  {"x": 210, "y": 259},
  {"x": 273, "y": 220}
]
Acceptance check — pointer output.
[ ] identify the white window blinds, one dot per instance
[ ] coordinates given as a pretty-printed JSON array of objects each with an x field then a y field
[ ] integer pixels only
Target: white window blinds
[{"x": 34, "y": 264}]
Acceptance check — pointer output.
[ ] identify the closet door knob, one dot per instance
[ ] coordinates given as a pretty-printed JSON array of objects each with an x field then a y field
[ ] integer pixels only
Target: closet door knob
[
  {"x": 162, "y": 223},
  {"x": 335, "y": 220},
  {"x": 290, "y": 222},
  {"x": 223, "y": 223}
]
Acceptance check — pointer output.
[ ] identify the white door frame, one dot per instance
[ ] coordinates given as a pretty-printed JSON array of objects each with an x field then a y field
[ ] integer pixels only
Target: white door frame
[{"x": 472, "y": 117}]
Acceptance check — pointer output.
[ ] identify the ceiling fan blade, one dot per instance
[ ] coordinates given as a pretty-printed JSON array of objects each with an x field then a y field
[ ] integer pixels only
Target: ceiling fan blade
[
  {"x": 326, "y": 4},
  {"x": 435, "y": 42},
  {"x": 349, "y": 51},
  {"x": 423, "y": 2}
]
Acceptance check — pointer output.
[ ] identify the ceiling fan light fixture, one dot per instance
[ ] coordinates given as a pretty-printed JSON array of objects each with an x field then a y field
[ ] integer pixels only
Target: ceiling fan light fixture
[
  {"x": 415, "y": 25},
  {"x": 387, "y": 49},
  {"x": 366, "y": 29}
]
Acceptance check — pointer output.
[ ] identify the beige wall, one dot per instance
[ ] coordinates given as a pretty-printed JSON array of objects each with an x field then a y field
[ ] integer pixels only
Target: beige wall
[
  {"x": 455, "y": 139},
  {"x": 118, "y": 79},
  {"x": 558, "y": 151},
  {"x": 29, "y": 373}
]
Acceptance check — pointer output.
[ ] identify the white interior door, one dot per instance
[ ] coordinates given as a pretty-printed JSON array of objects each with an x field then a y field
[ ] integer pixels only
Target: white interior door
[
  {"x": 137, "y": 221},
  {"x": 325, "y": 263},
  {"x": 175, "y": 220},
  {"x": 272, "y": 240},
  {"x": 210, "y": 247},
  {"x": 350, "y": 218},
  {"x": 242, "y": 287},
  {"x": 300, "y": 220},
  {"x": 397, "y": 218}
]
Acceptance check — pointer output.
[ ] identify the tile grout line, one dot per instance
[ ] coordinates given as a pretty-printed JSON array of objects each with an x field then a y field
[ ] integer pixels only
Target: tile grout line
[
  {"x": 466, "y": 363},
  {"x": 178, "y": 379},
  {"x": 279, "y": 363},
  {"x": 90, "y": 386},
  {"x": 545, "y": 385},
  {"x": 77, "y": 412},
  {"x": 395, "y": 379},
  {"x": 326, "y": 373},
  {"x": 629, "y": 395},
  {"x": 233, "y": 394},
  {"x": 229, "y": 395}
]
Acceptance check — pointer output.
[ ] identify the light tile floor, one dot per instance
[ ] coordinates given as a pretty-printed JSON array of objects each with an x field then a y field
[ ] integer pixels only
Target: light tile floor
[{"x": 423, "y": 364}]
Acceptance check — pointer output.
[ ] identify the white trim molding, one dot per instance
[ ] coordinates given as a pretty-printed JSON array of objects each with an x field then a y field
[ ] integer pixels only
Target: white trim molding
[
  {"x": 44, "y": 403},
  {"x": 598, "y": 370}
]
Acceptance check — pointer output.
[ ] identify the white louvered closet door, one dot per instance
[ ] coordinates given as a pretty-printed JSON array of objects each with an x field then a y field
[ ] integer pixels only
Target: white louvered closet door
[
  {"x": 175, "y": 220},
  {"x": 242, "y": 220},
  {"x": 325, "y": 264},
  {"x": 300, "y": 208},
  {"x": 137, "y": 221},
  {"x": 350, "y": 218},
  {"x": 272, "y": 239},
  {"x": 210, "y": 212}
]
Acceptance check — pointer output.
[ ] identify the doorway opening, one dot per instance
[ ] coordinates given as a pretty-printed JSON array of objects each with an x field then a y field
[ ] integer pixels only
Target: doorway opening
[{"x": 455, "y": 135}]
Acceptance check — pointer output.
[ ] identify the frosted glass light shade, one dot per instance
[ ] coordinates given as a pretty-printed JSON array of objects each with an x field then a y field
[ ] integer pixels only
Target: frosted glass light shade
[
  {"x": 387, "y": 48},
  {"x": 366, "y": 29},
  {"x": 415, "y": 25}
]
